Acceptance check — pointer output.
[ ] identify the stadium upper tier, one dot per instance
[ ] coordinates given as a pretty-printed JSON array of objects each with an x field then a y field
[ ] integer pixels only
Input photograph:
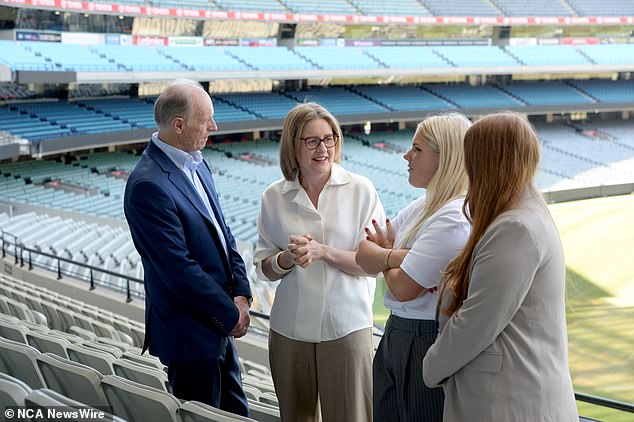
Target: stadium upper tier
[
  {"x": 47, "y": 120},
  {"x": 117, "y": 63},
  {"x": 573, "y": 156},
  {"x": 563, "y": 8}
]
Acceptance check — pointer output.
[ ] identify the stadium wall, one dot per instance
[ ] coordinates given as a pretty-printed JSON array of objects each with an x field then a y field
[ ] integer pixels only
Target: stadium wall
[{"x": 589, "y": 193}]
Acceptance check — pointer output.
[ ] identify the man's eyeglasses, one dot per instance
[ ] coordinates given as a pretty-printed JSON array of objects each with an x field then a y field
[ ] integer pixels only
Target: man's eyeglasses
[{"x": 312, "y": 142}]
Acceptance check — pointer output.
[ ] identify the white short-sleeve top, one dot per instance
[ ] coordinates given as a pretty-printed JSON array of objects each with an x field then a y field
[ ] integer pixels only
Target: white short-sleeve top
[
  {"x": 319, "y": 303},
  {"x": 436, "y": 243}
]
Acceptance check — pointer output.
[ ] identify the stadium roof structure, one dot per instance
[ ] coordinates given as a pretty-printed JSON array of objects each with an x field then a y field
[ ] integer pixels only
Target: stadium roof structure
[{"x": 231, "y": 11}]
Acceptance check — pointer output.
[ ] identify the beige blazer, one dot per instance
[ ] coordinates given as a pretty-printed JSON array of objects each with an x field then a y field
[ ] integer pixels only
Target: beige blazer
[{"x": 504, "y": 355}]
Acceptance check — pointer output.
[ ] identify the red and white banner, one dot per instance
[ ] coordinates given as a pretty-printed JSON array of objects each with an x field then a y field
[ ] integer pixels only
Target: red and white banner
[{"x": 131, "y": 10}]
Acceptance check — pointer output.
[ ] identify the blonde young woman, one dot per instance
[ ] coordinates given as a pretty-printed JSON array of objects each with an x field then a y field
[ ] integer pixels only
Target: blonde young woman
[
  {"x": 413, "y": 252},
  {"x": 310, "y": 223},
  {"x": 502, "y": 352}
]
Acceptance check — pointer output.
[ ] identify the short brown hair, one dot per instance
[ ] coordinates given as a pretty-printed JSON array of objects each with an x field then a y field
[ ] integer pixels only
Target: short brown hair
[{"x": 294, "y": 123}]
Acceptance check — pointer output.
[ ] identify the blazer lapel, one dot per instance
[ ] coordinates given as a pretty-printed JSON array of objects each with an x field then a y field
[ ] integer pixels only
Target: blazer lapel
[
  {"x": 178, "y": 179},
  {"x": 204, "y": 173},
  {"x": 208, "y": 184}
]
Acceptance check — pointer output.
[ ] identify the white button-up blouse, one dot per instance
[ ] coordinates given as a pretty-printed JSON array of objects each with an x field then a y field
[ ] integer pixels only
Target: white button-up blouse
[{"x": 319, "y": 303}]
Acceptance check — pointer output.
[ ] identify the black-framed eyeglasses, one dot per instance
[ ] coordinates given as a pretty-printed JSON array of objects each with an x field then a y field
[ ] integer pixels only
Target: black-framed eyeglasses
[{"x": 312, "y": 142}]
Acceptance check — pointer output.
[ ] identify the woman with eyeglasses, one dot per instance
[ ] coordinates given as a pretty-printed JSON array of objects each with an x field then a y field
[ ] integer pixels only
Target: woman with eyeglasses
[
  {"x": 412, "y": 254},
  {"x": 310, "y": 224}
]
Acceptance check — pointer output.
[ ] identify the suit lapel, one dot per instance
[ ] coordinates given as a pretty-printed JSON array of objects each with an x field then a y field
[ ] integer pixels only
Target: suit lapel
[
  {"x": 178, "y": 179},
  {"x": 208, "y": 184}
]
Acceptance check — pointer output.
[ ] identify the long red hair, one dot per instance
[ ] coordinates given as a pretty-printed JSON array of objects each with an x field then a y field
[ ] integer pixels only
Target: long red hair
[{"x": 501, "y": 153}]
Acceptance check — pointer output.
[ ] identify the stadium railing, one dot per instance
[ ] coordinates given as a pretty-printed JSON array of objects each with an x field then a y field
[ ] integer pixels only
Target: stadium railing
[
  {"x": 25, "y": 256},
  {"x": 11, "y": 243},
  {"x": 603, "y": 402}
]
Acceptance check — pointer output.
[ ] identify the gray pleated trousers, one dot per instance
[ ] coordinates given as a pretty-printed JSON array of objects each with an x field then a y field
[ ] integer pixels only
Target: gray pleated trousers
[{"x": 399, "y": 391}]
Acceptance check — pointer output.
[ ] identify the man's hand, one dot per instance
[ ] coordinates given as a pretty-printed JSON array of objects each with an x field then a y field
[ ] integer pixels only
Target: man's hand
[{"x": 241, "y": 327}]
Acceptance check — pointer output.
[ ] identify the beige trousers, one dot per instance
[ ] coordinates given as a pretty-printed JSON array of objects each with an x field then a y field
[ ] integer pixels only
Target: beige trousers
[{"x": 329, "y": 381}]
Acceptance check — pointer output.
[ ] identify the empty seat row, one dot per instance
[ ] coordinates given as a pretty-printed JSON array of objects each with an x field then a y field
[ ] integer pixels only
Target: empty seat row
[
  {"x": 130, "y": 397},
  {"x": 41, "y": 306}
]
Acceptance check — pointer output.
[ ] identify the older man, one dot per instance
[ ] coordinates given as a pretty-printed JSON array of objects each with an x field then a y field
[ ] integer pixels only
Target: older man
[{"x": 197, "y": 291}]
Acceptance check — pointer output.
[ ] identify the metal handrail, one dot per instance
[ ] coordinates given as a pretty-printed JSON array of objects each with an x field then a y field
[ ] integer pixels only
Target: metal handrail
[
  {"x": 90, "y": 267},
  {"x": 603, "y": 402},
  {"x": 15, "y": 243},
  {"x": 598, "y": 401},
  {"x": 21, "y": 250}
]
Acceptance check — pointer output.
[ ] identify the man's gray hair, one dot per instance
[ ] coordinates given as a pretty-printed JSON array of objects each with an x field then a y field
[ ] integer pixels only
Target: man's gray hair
[{"x": 174, "y": 101}]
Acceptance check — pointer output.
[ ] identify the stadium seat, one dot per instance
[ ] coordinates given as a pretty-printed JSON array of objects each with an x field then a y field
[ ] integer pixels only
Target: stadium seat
[
  {"x": 144, "y": 359},
  {"x": 82, "y": 332},
  {"x": 136, "y": 402},
  {"x": 114, "y": 343},
  {"x": 67, "y": 318},
  {"x": 12, "y": 391},
  {"x": 142, "y": 374},
  {"x": 100, "y": 360},
  {"x": 72, "y": 379},
  {"x": 20, "y": 361},
  {"x": 193, "y": 411},
  {"x": 45, "y": 398},
  {"x": 52, "y": 315},
  {"x": 13, "y": 330},
  {"x": 48, "y": 343},
  {"x": 114, "y": 351},
  {"x": 263, "y": 412},
  {"x": 269, "y": 398},
  {"x": 24, "y": 313},
  {"x": 252, "y": 393}
]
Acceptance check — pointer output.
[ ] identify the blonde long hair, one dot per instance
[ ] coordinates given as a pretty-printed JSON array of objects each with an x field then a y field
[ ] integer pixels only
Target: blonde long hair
[
  {"x": 501, "y": 158},
  {"x": 444, "y": 133}
]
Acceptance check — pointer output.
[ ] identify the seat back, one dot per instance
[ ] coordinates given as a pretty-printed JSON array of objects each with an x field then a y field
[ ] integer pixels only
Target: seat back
[
  {"x": 105, "y": 330},
  {"x": 100, "y": 360},
  {"x": 12, "y": 391},
  {"x": 82, "y": 332},
  {"x": 20, "y": 310},
  {"x": 20, "y": 361},
  {"x": 269, "y": 398},
  {"x": 45, "y": 342},
  {"x": 50, "y": 310},
  {"x": 194, "y": 411},
  {"x": 114, "y": 351},
  {"x": 263, "y": 412},
  {"x": 45, "y": 398},
  {"x": 146, "y": 359},
  {"x": 143, "y": 374},
  {"x": 136, "y": 402},
  {"x": 66, "y": 318},
  {"x": 72, "y": 379},
  {"x": 13, "y": 330}
]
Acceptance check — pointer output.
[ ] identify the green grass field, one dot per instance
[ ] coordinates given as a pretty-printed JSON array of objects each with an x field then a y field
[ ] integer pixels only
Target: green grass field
[{"x": 598, "y": 239}]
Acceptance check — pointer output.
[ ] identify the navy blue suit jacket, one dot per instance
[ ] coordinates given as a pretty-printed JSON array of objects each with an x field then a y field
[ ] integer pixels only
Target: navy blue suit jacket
[{"x": 190, "y": 282}]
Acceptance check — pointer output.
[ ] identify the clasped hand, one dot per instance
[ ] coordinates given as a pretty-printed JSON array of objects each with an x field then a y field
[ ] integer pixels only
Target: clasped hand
[
  {"x": 304, "y": 249},
  {"x": 244, "y": 320}
]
